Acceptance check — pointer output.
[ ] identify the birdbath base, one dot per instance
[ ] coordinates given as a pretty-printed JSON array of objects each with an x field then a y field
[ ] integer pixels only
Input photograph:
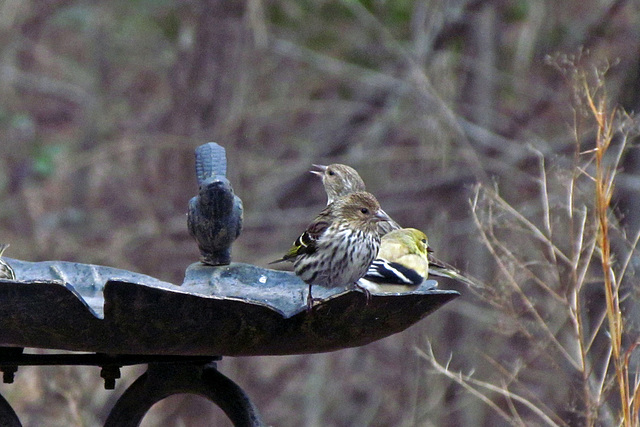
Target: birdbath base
[{"x": 165, "y": 376}]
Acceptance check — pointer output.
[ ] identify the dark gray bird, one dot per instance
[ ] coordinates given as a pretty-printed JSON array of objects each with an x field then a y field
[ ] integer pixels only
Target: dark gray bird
[
  {"x": 215, "y": 214},
  {"x": 6, "y": 272}
]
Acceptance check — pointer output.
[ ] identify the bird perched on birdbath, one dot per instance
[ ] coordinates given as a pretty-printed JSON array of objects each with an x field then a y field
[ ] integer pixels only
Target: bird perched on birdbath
[
  {"x": 338, "y": 247},
  {"x": 402, "y": 263}
]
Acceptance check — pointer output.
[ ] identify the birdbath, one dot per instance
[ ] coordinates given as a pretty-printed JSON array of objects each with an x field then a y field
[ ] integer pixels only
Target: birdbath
[{"x": 108, "y": 317}]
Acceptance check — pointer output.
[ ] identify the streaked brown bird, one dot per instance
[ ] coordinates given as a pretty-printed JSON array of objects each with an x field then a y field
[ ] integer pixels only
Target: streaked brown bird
[
  {"x": 337, "y": 248},
  {"x": 340, "y": 180}
]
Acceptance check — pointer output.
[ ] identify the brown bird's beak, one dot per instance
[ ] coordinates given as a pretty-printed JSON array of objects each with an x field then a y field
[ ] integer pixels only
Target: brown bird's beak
[{"x": 321, "y": 171}]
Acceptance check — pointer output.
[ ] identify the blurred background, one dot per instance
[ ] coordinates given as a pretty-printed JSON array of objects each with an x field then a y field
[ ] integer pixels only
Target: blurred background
[{"x": 103, "y": 103}]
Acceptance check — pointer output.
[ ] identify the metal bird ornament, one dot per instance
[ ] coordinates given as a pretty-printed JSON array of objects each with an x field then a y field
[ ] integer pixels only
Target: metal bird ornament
[{"x": 215, "y": 214}]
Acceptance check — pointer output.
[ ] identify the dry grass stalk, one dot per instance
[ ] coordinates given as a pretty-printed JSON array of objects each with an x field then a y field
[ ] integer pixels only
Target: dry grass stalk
[{"x": 605, "y": 122}]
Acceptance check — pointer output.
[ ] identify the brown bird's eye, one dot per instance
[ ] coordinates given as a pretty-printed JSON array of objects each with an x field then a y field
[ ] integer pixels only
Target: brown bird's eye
[
  {"x": 330, "y": 172},
  {"x": 364, "y": 211}
]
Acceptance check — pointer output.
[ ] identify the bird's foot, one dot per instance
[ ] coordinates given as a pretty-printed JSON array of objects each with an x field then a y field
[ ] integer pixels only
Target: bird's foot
[
  {"x": 367, "y": 293},
  {"x": 311, "y": 301}
]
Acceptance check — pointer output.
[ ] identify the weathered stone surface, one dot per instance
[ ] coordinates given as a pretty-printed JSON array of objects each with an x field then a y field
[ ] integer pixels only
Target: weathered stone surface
[{"x": 231, "y": 310}]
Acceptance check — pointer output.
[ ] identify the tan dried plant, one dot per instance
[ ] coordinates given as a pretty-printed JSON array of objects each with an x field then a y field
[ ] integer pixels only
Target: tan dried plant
[{"x": 566, "y": 340}]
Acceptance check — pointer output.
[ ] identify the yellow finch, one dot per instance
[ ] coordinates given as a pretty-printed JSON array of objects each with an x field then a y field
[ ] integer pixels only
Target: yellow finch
[
  {"x": 6, "y": 272},
  {"x": 337, "y": 248},
  {"x": 402, "y": 263},
  {"x": 339, "y": 180}
]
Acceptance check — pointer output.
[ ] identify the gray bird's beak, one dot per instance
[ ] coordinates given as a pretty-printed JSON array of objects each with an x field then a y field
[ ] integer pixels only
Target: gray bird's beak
[
  {"x": 321, "y": 171},
  {"x": 382, "y": 216}
]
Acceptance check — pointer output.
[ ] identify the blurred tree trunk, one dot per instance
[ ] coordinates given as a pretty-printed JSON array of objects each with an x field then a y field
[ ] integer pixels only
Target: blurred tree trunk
[
  {"x": 202, "y": 77},
  {"x": 482, "y": 85}
]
